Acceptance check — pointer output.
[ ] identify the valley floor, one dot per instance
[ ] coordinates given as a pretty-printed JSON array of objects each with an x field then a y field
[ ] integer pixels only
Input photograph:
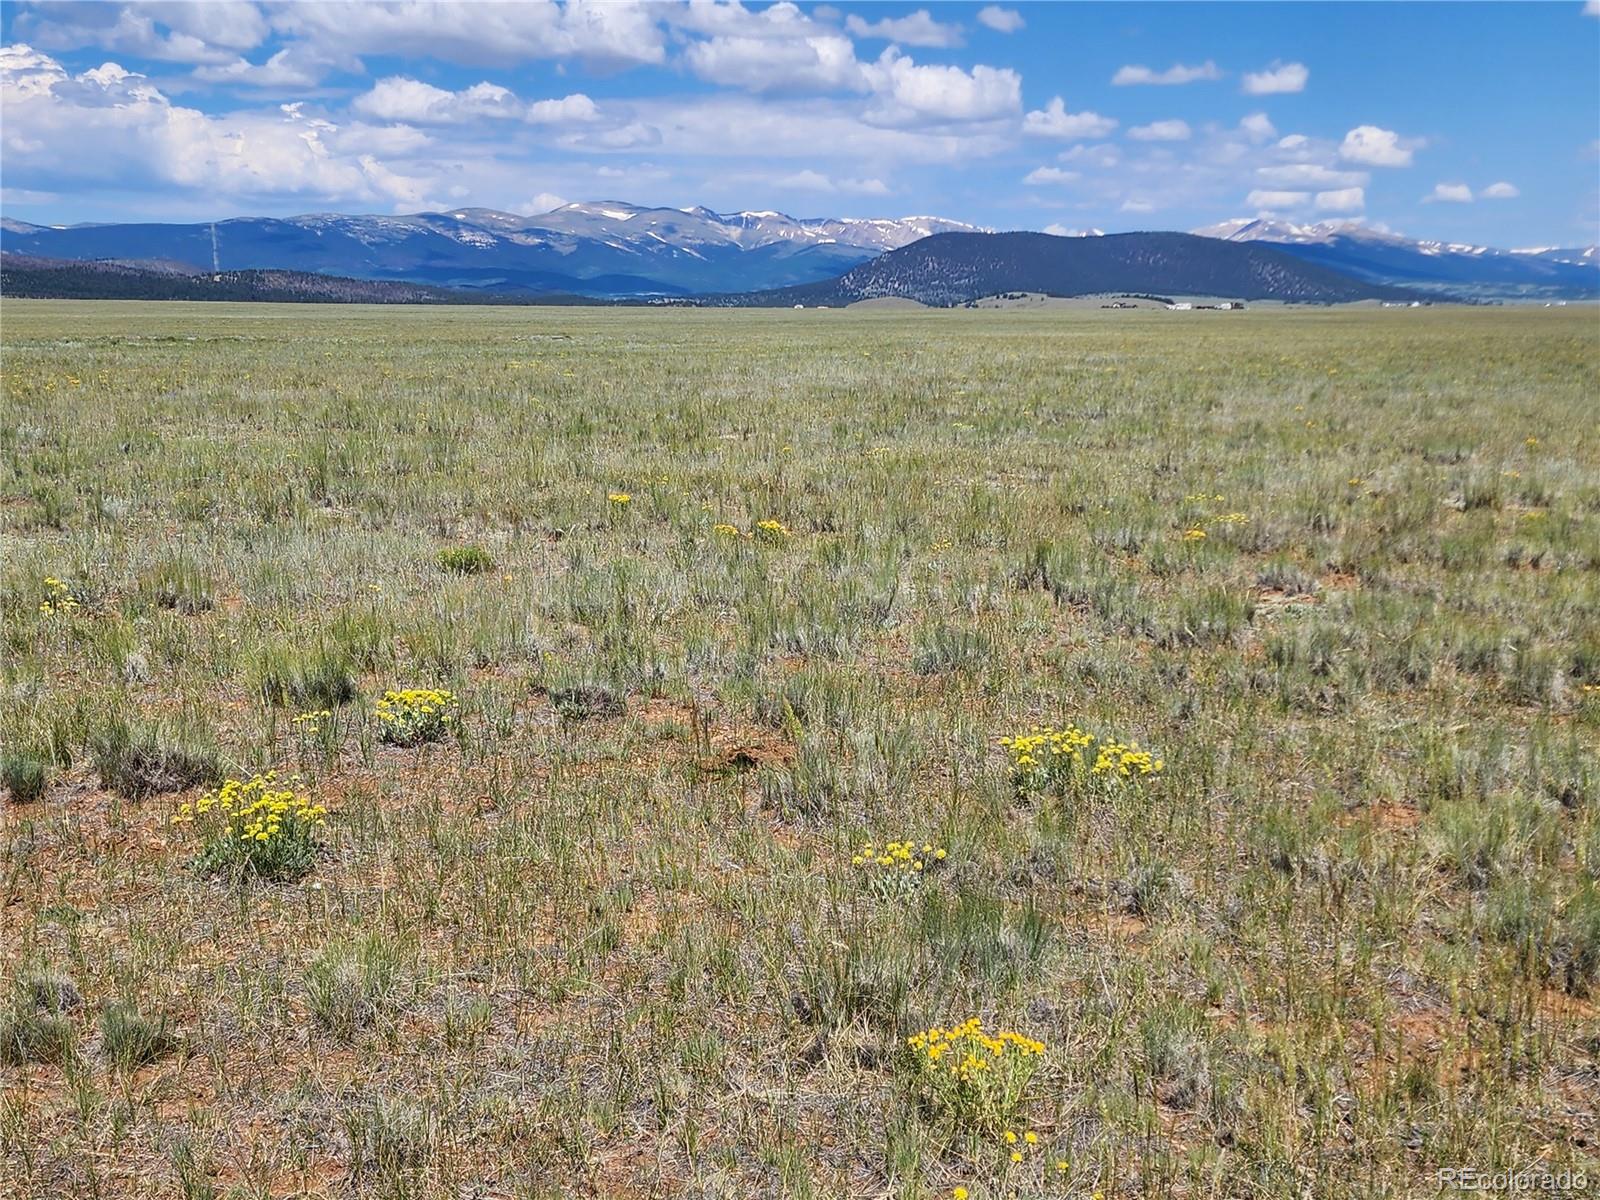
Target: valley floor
[{"x": 724, "y": 603}]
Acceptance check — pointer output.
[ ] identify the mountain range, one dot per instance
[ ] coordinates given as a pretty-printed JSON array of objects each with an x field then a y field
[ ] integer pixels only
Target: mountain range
[
  {"x": 615, "y": 250},
  {"x": 604, "y": 249},
  {"x": 1377, "y": 256}
]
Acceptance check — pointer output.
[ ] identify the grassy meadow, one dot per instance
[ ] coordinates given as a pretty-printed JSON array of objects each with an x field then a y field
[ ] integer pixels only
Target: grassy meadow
[{"x": 600, "y": 655}]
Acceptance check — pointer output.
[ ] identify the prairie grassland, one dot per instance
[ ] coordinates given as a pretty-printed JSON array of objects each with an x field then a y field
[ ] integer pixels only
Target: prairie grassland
[{"x": 603, "y": 920}]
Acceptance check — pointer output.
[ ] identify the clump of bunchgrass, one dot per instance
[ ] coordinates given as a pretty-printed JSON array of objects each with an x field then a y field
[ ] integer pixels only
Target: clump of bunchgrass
[
  {"x": 34, "y": 1026},
  {"x": 289, "y": 675},
  {"x": 586, "y": 701},
  {"x": 178, "y": 584},
  {"x": 949, "y": 648},
  {"x": 256, "y": 828},
  {"x": 25, "y": 773},
  {"x": 1578, "y": 941},
  {"x": 349, "y": 984},
  {"x": 141, "y": 760},
  {"x": 466, "y": 560},
  {"x": 390, "y": 1137},
  {"x": 129, "y": 1038}
]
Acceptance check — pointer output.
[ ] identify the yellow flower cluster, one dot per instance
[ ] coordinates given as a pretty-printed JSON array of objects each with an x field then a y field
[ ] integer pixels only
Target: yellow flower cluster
[
  {"x": 771, "y": 530},
  {"x": 1041, "y": 748},
  {"x": 255, "y": 809},
  {"x": 415, "y": 715},
  {"x": 974, "y": 1048},
  {"x": 619, "y": 499},
  {"x": 255, "y": 825},
  {"x": 58, "y": 597},
  {"x": 1195, "y": 534},
  {"x": 726, "y": 530},
  {"x": 898, "y": 856},
  {"x": 1021, "y": 1145},
  {"x": 1047, "y": 756},
  {"x": 1126, "y": 760},
  {"x": 311, "y": 722},
  {"x": 979, "y": 1077}
]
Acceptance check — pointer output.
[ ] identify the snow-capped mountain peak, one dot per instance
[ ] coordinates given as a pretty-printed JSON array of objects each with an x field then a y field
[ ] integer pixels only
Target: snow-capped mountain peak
[
  {"x": 1265, "y": 229},
  {"x": 1459, "y": 268}
]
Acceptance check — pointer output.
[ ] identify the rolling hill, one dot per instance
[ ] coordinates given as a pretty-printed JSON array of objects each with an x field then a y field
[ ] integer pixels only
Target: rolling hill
[{"x": 956, "y": 268}]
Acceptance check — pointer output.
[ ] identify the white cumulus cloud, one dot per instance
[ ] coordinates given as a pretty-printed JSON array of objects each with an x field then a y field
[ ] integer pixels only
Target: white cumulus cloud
[
  {"x": 1377, "y": 147},
  {"x": 1055, "y": 121},
  {"x": 398, "y": 98},
  {"x": 1162, "y": 131},
  {"x": 1277, "y": 79},
  {"x": 907, "y": 91},
  {"x": 1258, "y": 127},
  {"x": 290, "y": 68},
  {"x": 109, "y": 127},
  {"x": 795, "y": 55},
  {"x": 823, "y": 62},
  {"x": 1176, "y": 74},
  {"x": 1351, "y": 199},
  {"x": 1449, "y": 193},
  {"x": 1306, "y": 174},
  {"x": 594, "y": 31},
  {"x": 919, "y": 29},
  {"x": 1271, "y": 200},
  {"x": 1047, "y": 175},
  {"x": 566, "y": 111},
  {"x": 215, "y": 33},
  {"x": 815, "y": 181},
  {"x": 1006, "y": 20},
  {"x": 544, "y": 202},
  {"x": 1504, "y": 190}
]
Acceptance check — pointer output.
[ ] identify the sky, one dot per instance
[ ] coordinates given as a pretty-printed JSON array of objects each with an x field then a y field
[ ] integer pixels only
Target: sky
[{"x": 1475, "y": 123}]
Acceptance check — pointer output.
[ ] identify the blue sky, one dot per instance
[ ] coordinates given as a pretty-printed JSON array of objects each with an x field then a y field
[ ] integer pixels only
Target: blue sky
[{"x": 1464, "y": 122}]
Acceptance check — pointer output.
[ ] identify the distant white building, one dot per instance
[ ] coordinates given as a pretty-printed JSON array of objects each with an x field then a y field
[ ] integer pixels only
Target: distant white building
[{"x": 1182, "y": 306}]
